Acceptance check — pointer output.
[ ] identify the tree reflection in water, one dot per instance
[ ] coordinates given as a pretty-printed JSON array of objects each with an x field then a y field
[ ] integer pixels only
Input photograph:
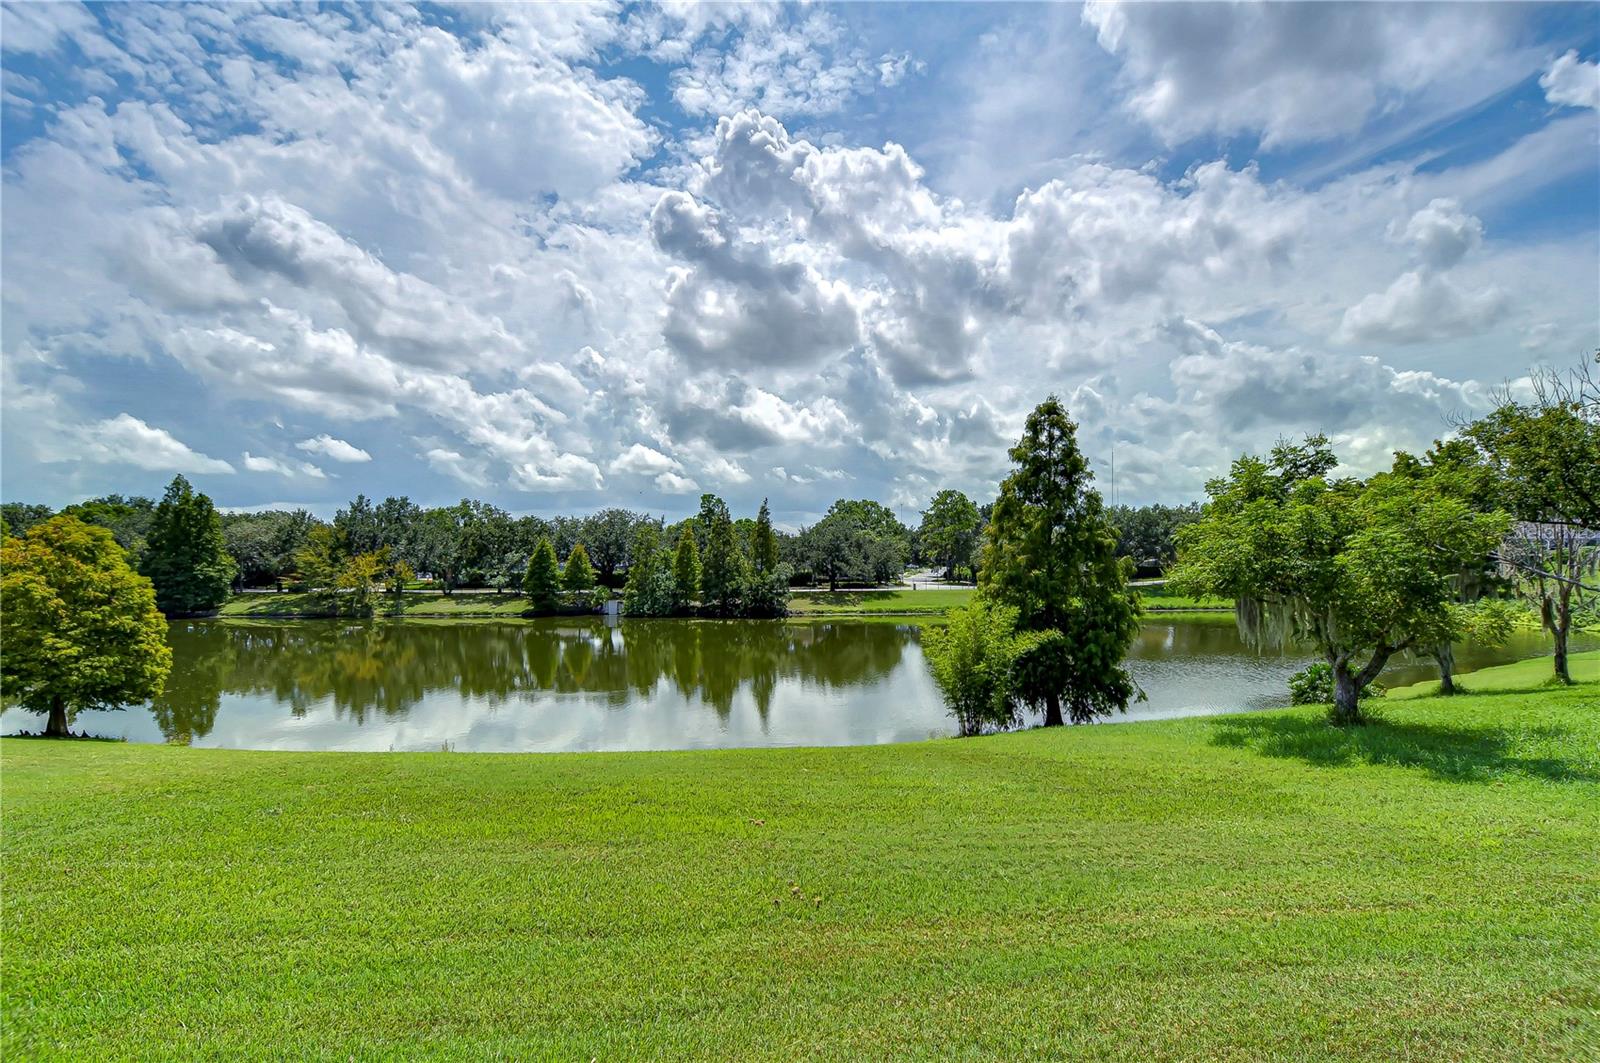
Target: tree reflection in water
[{"x": 383, "y": 669}]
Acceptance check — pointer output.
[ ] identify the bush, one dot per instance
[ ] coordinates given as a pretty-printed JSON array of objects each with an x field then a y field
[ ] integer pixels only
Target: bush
[
  {"x": 971, "y": 660},
  {"x": 767, "y": 594},
  {"x": 1313, "y": 685}
]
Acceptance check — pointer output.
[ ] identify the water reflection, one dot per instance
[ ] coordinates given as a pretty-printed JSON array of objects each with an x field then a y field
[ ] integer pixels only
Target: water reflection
[{"x": 578, "y": 683}]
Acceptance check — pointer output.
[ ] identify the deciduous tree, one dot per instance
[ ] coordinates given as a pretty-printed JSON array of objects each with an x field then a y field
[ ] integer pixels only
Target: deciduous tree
[
  {"x": 1051, "y": 555},
  {"x": 1360, "y": 569},
  {"x": 81, "y": 629}
]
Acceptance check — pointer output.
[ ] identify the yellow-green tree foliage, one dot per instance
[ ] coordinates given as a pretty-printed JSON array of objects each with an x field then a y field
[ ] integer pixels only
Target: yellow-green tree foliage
[{"x": 80, "y": 626}]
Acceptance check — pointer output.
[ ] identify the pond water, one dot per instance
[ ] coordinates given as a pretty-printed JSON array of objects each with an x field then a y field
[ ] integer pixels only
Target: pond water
[{"x": 581, "y": 684}]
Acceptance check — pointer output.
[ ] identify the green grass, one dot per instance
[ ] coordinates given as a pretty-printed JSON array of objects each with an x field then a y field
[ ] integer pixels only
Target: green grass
[
  {"x": 1258, "y": 886},
  {"x": 1157, "y": 598},
  {"x": 461, "y": 603},
  {"x": 940, "y": 600},
  {"x": 1526, "y": 675},
  {"x": 932, "y": 600}
]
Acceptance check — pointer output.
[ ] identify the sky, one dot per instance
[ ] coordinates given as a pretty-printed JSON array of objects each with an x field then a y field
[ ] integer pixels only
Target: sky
[{"x": 560, "y": 257}]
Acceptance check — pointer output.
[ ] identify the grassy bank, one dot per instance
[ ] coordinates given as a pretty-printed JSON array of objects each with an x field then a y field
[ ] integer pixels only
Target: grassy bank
[
  {"x": 1530, "y": 674},
  {"x": 931, "y": 601},
  {"x": 461, "y": 603},
  {"x": 1257, "y": 886},
  {"x": 935, "y": 601}
]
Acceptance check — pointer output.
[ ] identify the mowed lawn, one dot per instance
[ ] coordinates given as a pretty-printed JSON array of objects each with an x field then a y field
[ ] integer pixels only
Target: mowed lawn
[
  {"x": 461, "y": 603},
  {"x": 1248, "y": 887}
]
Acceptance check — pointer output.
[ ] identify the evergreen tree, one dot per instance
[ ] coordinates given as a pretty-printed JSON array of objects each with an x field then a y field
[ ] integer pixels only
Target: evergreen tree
[
  {"x": 80, "y": 627},
  {"x": 686, "y": 567},
  {"x": 542, "y": 582},
  {"x": 1051, "y": 555},
  {"x": 764, "y": 548},
  {"x": 722, "y": 574},
  {"x": 579, "y": 574},
  {"x": 651, "y": 589},
  {"x": 186, "y": 556}
]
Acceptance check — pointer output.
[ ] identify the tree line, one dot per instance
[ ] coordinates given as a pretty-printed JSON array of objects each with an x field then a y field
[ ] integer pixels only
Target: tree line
[{"x": 1362, "y": 568}]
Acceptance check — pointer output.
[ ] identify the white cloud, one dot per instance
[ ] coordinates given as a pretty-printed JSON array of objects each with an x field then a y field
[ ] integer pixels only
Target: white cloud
[
  {"x": 1420, "y": 307},
  {"x": 126, "y": 440},
  {"x": 262, "y": 463},
  {"x": 337, "y": 449},
  {"x": 1442, "y": 233},
  {"x": 641, "y": 460},
  {"x": 1572, "y": 82},
  {"x": 1295, "y": 72}
]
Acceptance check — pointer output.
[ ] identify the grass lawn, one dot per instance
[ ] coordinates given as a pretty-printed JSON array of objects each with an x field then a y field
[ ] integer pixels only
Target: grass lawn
[
  {"x": 1249, "y": 887},
  {"x": 1529, "y": 674},
  {"x": 461, "y": 603},
  {"x": 939, "y": 600},
  {"x": 933, "y": 600}
]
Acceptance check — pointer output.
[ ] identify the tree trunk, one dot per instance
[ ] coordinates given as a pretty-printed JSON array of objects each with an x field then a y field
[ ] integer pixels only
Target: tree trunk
[
  {"x": 1445, "y": 654},
  {"x": 1346, "y": 696},
  {"x": 1052, "y": 710},
  {"x": 1561, "y": 629},
  {"x": 56, "y": 726}
]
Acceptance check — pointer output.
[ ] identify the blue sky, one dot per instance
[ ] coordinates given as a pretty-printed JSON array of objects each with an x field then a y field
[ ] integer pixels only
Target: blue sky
[{"x": 566, "y": 256}]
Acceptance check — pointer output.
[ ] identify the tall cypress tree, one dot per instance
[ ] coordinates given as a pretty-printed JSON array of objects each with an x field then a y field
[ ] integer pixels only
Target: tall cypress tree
[
  {"x": 1051, "y": 554},
  {"x": 686, "y": 567},
  {"x": 186, "y": 557},
  {"x": 764, "y": 550},
  {"x": 579, "y": 574},
  {"x": 722, "y": 574},
  {"x": 542, "y": 582}
]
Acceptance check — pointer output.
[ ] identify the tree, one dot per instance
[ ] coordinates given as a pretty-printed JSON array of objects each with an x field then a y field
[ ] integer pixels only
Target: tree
[
  {"x": 1543, "y": 465},
  {"x": 578, "y": 575},
  {"x": 542, "y": 583},
  {"x": 1554, "y": 568},
  {"x": 1051, "y": 555},
  {"x": 187, "y": 557},
  {"x": 1149, "y": 534},
  {"x": 651, "y": 589},
  {"x": 949, "y": 531},
  {"x": 686, "y": 567},
  {"x": 80, "y": 627},
  {"x": 607, "y": 534},
  {"x": 1360, "y": 569},
  {"x": 18, "y": 517},
  {"x": 764, "y": 544},
  {"x": 722, "y": 572},
  {"x": 127, "y": 519},
  {"x": 834, "y": 548},
  {"x": 320, "y": 562}
]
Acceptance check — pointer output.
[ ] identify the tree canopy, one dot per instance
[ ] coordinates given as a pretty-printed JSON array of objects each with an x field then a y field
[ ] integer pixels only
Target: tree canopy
[
  {"x": 1360, "y": 569},
  {"x": 542, "y": 582},
  {"x": 949, "y": 532},
  {"x": 187, "y": 556},
  {"x": 81, "y": 629}
]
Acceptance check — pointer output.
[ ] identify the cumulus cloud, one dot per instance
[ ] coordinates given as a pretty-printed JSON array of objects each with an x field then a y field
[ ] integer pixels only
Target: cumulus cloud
[
  {"x": 1442, "y": 233},
  {"x": 126, "y": 440},
  {"x": 262, "y": 463},
  {"x": 1420, "y": 307},
  {"x": 472, "y": 237},
  {"x": 337, "y": 449},
  {"x": 1572, "y": 82}
]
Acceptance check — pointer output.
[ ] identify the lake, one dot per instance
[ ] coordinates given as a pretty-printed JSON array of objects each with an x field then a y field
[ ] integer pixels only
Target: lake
[{"x": 584, "y": 684}]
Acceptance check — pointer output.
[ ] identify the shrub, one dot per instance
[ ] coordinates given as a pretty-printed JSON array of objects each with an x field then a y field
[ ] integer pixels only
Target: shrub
[
  {"x": 971, "y": 659},
  {"x": 1313, "y": 685}
]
